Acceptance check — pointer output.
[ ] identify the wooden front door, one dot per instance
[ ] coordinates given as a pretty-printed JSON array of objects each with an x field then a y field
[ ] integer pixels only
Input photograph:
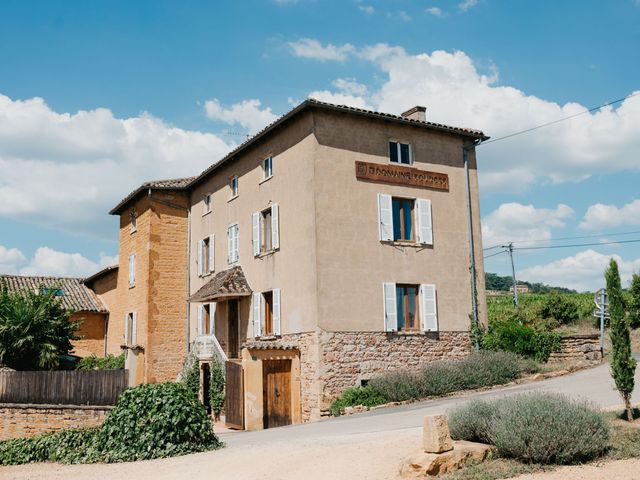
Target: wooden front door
[
  {"x": 276, "y": 391},
  {"x": 234, "y": 336},
  {"x": 234, "y": 396}
]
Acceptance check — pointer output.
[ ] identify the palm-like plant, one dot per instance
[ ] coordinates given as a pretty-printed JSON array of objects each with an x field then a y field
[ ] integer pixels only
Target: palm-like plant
[{"x": 35, "y": 330}]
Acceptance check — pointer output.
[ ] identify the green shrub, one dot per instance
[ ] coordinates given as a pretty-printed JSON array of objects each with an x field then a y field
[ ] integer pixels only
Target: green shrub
[
  {"x": 190, "y": 374},
  {"x": 560, "y": 307},
  {"x": 472, "y": 422},
  {"x": 534, "y": 428},
  {"x": 110, "y": 362},
  {"x": 367, "y": 396},
  {"x": 216, "y": 389},
  {"x": 439, "y": 378},
  {"x": 149, "y": 421},
  {"x": 521, "y": 339}
]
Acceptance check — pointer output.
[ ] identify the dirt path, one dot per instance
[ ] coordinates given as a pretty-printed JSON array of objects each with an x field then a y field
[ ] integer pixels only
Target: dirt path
[{"x": 618, "y": 470}]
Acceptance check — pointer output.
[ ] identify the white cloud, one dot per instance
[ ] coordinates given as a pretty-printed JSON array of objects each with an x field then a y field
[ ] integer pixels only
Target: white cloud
[
  {"x": 10, "y": 259},
  {"x": 435, "y": 11},
  {"x": 368, "y": 9},
  {"x": 514, "y": 222},
  {"x": 400, "y": 14},
  {"x": 247, "y": 113},
  {"x": 467, "y": 4},
  {"x": 456, "y": 92},
  {"x": 350, "y": 86},
  {"x": 601, "y": 216},
  {"x": 583, "y": 271},
  {"x": 310, "y": 48},
  {"x": 67, "y": 170},
  {"x": 49, "y": 262}
]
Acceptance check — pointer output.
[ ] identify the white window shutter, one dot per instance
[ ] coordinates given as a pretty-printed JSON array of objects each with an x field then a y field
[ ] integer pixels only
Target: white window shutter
[
  {"x": 229, "y": 245},
  {"x": 132, "y": 269},
  {"x": 236, "y": 243},
  {"x": 275, "y": 231},
  {"x": 425, "y": 225},
  {"x": 200, "y": 258},
  {"x": 257, "y": 314},
  {"x": 390, "y": 307},
  {"x": 134, "y": 328},
  {"x": 199, "y": 328},
  {"x": 212, "y": 318},
  {"x": 276, "y": 311},
  {"x": 428, "y": 308},
  {"x": 385, "y": 217},
  {"x": 212, "y": 253},
  {"x": 255, "y": 221},
  {"x": 126, "y": 329}
]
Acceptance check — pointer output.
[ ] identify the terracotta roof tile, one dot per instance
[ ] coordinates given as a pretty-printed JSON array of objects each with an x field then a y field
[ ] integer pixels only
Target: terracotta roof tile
[
  {"x": 76, "y": 296},
  {"x": 228, "y": 283},
  {"x": 168, "y": 184}
]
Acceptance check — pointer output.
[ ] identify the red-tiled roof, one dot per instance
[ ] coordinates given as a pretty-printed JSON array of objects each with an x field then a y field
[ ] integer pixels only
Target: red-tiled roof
[
  {"x": 168, "y": 184},
  {"x": 75, "y": 295},
  {"x": 228, "y": 283}
]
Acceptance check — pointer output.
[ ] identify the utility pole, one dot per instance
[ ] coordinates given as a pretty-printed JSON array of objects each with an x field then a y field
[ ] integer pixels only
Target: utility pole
[{"x": 513, "y": 274}]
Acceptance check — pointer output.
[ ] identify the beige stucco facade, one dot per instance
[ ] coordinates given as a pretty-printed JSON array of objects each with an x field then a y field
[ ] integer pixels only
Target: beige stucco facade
[{"x": 330, "y": 266}]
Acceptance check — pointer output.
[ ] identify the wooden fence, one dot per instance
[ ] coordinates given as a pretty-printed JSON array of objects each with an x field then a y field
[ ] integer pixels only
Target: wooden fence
[{"x": 94, "y": 387}]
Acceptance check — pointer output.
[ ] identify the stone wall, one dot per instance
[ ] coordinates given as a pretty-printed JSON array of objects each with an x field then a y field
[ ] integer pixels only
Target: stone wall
[
  {"x": 347, "y": 358},
  {"x": 91, "y": 333},
  {"x": 576, "y": 348},
  {"x": 26, "y": 420},
  {"x": 307, "y": 344}
]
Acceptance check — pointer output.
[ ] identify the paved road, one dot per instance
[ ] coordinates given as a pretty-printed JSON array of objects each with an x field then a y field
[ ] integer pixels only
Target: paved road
[
  {"x": 594, "y": 385},
  {"x": 367, "y": 446}
]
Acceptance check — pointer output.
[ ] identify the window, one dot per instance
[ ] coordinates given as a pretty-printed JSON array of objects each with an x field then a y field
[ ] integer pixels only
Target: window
[
  {"x": 407, "y": 307},
  {"x": 130, "y": 329},
  {"x": 266, "y": 313},
  {"x": 232, "y": 237},
  {"x": 207, "y": 204},
  {"x": 56, "y": 292},
  {"x": 410, "y": 307},
  {"x": 206, "y": 255},
  {"x": 132, "y": 270},
  {"x": 402, "y": 219},
  {"x": 400, "y": 153},
  {"x": 266, "y": 237},
  {"x": 233, "y": 185},
  {"x": 206, "y": 319},
  {"x": 405, "y": 220},
  {"x": 133, "y": 218},
  {"x": 267, "y": 167}
]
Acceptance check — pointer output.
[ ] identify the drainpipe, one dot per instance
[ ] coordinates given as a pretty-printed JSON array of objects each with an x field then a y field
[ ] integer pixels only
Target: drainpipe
[
  {"x": 188, "y": 335},
  {"x": 106, "y": 329},
  {"x": 472, "y": 254}
]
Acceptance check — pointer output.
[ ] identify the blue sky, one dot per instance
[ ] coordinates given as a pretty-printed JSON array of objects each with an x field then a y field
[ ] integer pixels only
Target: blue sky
[{"x": 96, "y": 97}]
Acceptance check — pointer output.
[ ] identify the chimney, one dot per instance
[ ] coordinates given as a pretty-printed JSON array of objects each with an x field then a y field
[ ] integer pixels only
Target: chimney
[{"x": 416, "y": 113}]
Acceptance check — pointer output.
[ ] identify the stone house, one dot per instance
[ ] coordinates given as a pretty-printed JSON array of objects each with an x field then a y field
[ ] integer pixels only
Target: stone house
[
  {"x": 332, "y": 246},
  {"x": 86, "y": 306}
]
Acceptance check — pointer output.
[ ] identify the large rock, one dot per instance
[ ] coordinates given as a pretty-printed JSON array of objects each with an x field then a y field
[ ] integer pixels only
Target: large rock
[
  {"x": 421, "y": 464},
  {"x": 435, "y": 434}
]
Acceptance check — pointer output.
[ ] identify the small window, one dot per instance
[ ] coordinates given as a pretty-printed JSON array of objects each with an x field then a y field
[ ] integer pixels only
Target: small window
[
  {"x": 56, "y": 292},
  {"x": 265, "y": 234},
  {"x": 233, "y": 185},
  {"x": 206, "y": 320},
  {"x": 133, "y": 218},
  {"x": 407, "y": 307},
  {"x": 130, "y": 329},
  {"x": 232, "y": 235},
  {"x": 267, "y": 167},
  {"x": 400, "y": 153},
  {"x": 207, "y": 204},
  {"x": 132, "y": 270},
  {"x": 206, "y": 246},
  {"x": 268, "y": 313},
  {"x": 402, "y": 219}
]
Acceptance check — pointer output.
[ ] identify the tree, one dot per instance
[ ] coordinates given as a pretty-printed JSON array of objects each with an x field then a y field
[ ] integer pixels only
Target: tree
[
  {"x": 623, "y": 365},
  {"x": 35, "y": 330},
  {"x": 216, "y": 389},
  {"x": 634, "y": 302}
]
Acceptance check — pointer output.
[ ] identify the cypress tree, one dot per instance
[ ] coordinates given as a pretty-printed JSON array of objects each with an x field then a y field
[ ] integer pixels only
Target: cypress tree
[
  {"x": 623, "y": 365},
  {"x": 216, "y": 389},
  {"x": 634, "y": 302}
]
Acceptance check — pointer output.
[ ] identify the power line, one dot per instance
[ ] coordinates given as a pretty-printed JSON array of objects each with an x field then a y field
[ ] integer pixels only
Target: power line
[
  {"x": 558, "y": 121},
  {"x": 578, "y": 245},
  {"x": 595, "y": 235},
  {"x": 494, "y": 254}
]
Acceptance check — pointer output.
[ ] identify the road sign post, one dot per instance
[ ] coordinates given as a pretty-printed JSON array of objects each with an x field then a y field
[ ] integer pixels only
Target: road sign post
[{"x": 602, "y": 311}]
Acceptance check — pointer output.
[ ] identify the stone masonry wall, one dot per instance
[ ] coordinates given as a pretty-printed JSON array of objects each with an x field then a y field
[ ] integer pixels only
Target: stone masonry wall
[
  {"x": 26, "y": 420},
  {"x": 307, "y": 344},
  {"x": 578, "y": 348},
  {"x": 346, "y": 358}
]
